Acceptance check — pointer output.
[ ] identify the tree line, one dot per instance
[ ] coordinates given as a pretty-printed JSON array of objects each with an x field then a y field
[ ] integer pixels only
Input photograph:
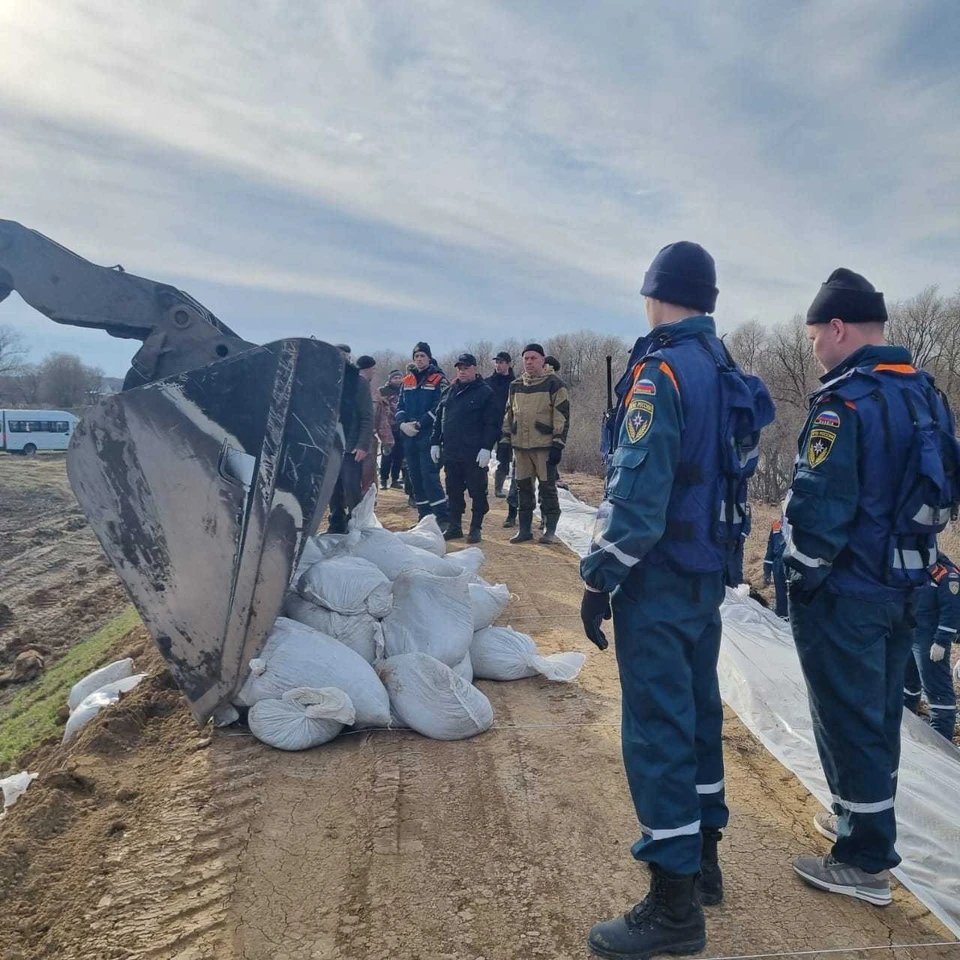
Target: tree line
[{"x": 60, "y": 381}]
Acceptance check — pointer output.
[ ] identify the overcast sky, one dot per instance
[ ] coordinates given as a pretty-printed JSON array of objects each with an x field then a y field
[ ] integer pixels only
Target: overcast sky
[{"x": 383, "y": 172}]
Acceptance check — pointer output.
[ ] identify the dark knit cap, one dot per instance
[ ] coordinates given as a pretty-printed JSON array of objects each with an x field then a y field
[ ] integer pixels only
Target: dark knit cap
[
  {"x": 395, "y": 373},
  {"x": 504, "y": 356},
  {"x": 535, "y": 347},
  {"x": 683, "y": 274},
  {"x": 423, "y": 347},
  {"x": 848, "y": 297},
  {"x": 365, "y": 362},
  {"x": 554, "y": 362},
  {"x": 466, "y": 360}
]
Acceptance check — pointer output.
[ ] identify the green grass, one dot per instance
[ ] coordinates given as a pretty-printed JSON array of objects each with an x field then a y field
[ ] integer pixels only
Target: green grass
[{"x": 32, "y": 714}]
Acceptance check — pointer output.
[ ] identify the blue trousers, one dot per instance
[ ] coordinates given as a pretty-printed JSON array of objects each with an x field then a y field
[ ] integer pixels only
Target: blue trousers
[
  {"x": 780, "y": 587},
  {"x": 667, "y": 628},
  {"x": 854, "y": 655},
  {"x": 425, "y": 477},
  {"x": 934, "y": 679}
]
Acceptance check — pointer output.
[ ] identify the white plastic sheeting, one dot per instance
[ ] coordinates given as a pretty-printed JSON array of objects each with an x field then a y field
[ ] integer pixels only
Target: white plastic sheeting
[{"x": 760, "y": 679}]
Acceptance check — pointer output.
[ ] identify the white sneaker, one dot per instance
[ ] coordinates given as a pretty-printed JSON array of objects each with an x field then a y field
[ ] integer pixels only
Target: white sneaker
[{"x": 827, "y": 824}]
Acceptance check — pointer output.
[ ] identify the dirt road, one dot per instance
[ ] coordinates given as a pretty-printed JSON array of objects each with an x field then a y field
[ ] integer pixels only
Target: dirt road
[
  {"x": 56, "y": 586},
  {"x": 151, "y": 839}
]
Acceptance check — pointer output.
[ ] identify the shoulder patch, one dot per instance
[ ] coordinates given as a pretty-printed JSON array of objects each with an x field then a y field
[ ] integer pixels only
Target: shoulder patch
[
  {"x": 827, "y": 418},
  {"x": 645, "y": 388},
  {"x": 954, "y": 586},
  {"x": 819, "y": 446},
  {"x": 639, "y": 419}
]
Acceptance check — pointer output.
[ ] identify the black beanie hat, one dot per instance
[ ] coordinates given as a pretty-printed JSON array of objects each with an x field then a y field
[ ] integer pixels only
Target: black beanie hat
[
  {"x": 423, "y": 347},
  {"x": 848, "y": 297},
  {"x": 535, "y": 347},
  {"x": 365, "y": 362},
  {"x": 684, "y": 274}
]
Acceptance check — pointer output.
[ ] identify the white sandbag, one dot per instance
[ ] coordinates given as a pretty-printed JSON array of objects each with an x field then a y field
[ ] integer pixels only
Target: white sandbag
[
  {"x": 347, "y": 585},
  {"x": 431, "y": 699},
  {"x": 431, "y": 563},
  {"x": 383, "y": 549},
  {"x": 360, "y": 632},
  {"x": 364, "y": 515},
  {"x": 301, "y": 718},
  {"x": 488, "y": 603},
  {"x": 310, "y": 554},
  {"x": 329, "y": 544},
  {"x": 298, "y": 656},
  {"x": 464, "y": 668},
  {"x": 118, "y": 670},
  {"x": 501, "y": 653},
  {"x": 13, "y": 787},
  {"x": 430, "y": 615},
  {"x": 470, "y": 559},
  {"x": 426, "y": 535},
  {"x": 91, "y": 705}
]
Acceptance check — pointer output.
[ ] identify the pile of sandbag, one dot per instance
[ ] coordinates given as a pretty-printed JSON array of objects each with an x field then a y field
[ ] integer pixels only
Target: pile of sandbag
[
  {"x": 97, "y": 690},
  {"x": 387, "y": 629}
]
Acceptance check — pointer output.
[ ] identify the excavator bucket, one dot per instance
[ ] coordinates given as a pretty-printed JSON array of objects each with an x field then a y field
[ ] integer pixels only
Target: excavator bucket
[{"x": 203, "y": 488}]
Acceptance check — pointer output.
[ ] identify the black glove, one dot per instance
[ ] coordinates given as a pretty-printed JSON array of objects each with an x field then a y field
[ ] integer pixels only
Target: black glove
[
  {"x": 553, "y": 457},
  {"x": 594, "y": 608}
]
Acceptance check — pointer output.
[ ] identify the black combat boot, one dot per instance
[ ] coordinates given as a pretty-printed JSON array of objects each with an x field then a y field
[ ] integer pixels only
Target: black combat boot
[
  {"x": 668, "y": 920},
  {"x": 498, "y": 482},
  {"x": 710, "y": 883},
  {"x": 454, "y": 531},
  {"x": 511, "y": 520},
  {"x": 549, "y": 534},
  {"x": 475, "y": 535},
  {"x": 525, "y": 532}
]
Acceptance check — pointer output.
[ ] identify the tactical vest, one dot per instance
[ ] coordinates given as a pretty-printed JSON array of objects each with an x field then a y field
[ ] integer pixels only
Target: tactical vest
[{"x": 908, "y": 463}]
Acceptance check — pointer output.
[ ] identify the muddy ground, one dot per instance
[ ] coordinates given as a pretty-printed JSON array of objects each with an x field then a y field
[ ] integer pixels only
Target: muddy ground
[
  {"x": 149, "y": 838},
  {"x": 56, "y": 586}
]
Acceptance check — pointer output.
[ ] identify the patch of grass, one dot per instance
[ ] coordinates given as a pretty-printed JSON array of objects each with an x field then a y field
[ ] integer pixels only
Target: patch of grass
[{"x": 32, "y": 715}]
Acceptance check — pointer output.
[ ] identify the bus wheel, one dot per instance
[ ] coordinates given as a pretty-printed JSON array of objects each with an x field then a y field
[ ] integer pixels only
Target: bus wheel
[{"x": 29, "y": 449}]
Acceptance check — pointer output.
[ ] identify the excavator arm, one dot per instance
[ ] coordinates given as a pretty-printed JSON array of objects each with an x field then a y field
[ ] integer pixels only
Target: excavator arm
[{"x": 203, "y": 479}]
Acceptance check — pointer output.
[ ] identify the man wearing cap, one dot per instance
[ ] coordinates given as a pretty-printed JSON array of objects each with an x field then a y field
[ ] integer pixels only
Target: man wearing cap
[
  {"x": 357, "y": 422},
  {"x": 535, "y": 424},
  {"x": 465, "y": 431},
  {"x": 773, "y": 569},
  {"x": 499, "y": 382},
  {"x": 391, "y": 460},
  {"x": 416, "y": 416},
  {"x": 661, "y": 558},
  {"x": 862, "y": 516}
]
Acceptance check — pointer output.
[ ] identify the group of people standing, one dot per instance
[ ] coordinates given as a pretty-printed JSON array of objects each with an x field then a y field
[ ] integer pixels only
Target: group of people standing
[
  {"x": 855, "y": 560},
  {"x": 423, "y": 422}
]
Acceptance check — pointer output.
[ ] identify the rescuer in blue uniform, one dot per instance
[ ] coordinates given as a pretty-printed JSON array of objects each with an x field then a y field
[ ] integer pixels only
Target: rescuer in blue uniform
[
  {"x": 671, "y": 524},
  {"x": 416, "y": 414},
  {"x": 928, "y": 670},
  {"x": 871, "y": 490},
  {"x": 773, "y": 570}
]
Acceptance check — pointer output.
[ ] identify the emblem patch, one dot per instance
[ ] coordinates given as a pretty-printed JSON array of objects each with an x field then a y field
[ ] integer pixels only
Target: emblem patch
[
  {"x": 639, "y": 419},
  {"x": 827, "y": 418},
  {"x": 645, "y": 388},
  {"x": 955, "y": 587},
  {"x": 819, "y": 446}
]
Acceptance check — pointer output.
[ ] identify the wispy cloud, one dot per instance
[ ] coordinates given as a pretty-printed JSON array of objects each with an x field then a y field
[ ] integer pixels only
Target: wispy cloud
[{"x": 419, "y": 169}]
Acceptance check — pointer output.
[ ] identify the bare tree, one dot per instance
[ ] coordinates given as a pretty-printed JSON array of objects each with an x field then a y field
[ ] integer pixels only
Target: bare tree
[
  {"x": 12, "y": 350},
  {"x": 67, "y": 382},
  {"x": 747, "y": 344}
]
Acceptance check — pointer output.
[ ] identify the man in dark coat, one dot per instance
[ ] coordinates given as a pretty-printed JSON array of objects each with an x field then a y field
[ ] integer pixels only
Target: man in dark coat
[
  {"x": 464, "y": 434},
  {"x": 499, "y": 382}
]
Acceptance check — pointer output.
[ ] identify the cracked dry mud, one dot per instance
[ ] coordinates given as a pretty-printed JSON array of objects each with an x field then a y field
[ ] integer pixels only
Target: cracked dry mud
[{"x": 158, "y": 840}]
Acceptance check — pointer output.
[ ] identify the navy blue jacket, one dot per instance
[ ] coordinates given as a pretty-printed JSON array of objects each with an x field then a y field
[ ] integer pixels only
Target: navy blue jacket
[
  {"x": 938, "y": 605},
  {"x": 663, "y": 476},
  {"x": 775, "y": 545},
  {"x": 419, "y": 397},
  {"x": 468, "y": 421},
  {"x": 852, "y": 461}
]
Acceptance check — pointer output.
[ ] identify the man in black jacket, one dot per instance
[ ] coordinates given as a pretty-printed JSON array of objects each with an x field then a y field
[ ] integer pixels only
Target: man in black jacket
[
  {"x": 499, "y": 382},
  {"x": 464, "y": 435}
]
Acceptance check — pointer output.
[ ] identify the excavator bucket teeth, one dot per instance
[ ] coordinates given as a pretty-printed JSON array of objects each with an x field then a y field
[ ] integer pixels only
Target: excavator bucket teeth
[{"x": 202, "y": 489}]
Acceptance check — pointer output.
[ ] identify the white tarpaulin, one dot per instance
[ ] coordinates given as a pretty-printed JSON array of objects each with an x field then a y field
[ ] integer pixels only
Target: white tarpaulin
[{"x": 760, "y": 680}]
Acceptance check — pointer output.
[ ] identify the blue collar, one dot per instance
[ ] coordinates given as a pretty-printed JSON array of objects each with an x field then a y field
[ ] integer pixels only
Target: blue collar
[{"x": 868, "y": 356}]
